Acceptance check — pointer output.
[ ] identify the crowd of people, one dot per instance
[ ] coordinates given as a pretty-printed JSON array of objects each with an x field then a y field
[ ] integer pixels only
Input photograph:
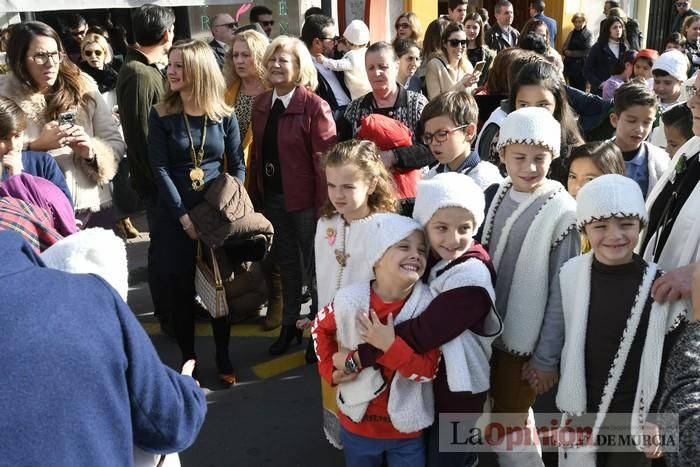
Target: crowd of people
[{"x": 477, "y": 217}]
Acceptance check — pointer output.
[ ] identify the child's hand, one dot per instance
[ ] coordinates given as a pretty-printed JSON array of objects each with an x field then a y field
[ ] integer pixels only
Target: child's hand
[
  {"x": 539, "y": 380},
  {"x": 375, "y": 333},
  {"x": 303, "y": 323},
  {"x": 654, "y": 449},
  {"x": 320, "y": 58},
  {"x": 339, "y": 358},
  {"x": 339, "y": 376}
]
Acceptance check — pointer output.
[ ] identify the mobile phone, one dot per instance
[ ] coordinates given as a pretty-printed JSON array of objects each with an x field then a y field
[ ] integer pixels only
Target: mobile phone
[
  {"x": 66, "y": 118},
  {"x": 479, "y": 67}
]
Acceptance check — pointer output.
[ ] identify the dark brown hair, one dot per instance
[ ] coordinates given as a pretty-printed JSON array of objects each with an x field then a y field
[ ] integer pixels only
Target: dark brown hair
[
  {"x": 13, "y": 120},
  {"x": 497, "y": 83},
  {"x": 69, "y": 90},
  {"x": 480, "y": 40},
  {"x": 459, "y": 106},
  {"x": 604, "y": 154},
  {"x": 365, "y": 156}
]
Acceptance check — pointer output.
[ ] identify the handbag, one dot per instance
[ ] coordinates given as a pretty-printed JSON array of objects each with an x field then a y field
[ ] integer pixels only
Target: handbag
[{"x": 208, "y": 284}]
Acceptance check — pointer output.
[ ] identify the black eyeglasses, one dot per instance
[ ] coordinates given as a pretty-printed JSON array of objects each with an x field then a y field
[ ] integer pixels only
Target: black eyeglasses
[
  {"x": 682, "y": 4},
  {"x": 88, "y": 53},
  {"x": 42, "y": 58},
  {"x": 440, "y": 136},
  {"x": 334, "y": 39},
  {"x": 267, "y": 23},
  {"x": 227, "y": 25},
  {"x": 403, "y": 25},
  {"x": 457, "y": 42}
]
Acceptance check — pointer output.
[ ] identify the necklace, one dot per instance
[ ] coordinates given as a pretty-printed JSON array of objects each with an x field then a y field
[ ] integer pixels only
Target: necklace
[{"x": 196, "y": 174}]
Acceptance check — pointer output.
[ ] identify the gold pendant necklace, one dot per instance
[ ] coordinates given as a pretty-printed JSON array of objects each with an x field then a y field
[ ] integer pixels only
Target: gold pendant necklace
[{"x": 196, "y": 174}]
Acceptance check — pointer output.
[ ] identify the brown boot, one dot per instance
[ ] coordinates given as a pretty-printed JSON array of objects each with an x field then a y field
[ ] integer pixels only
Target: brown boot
[
  {"x": 131, "y": 231},
  {"x": 273, "y": 318}
]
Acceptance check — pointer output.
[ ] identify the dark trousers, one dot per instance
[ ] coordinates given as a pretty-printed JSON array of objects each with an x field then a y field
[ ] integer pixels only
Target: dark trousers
[
  {"x": 174, "y": 256},
  {"x": 292, "y": 250},
  {"x": 149, "y": 202}
]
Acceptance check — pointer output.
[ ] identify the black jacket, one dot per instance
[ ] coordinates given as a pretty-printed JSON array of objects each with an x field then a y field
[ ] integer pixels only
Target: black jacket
[
  {"x": 599, "y": 63},
  {"x": 325, "y": 91},
  {"x": 496, "y": 38},
  {"x": 219, "y": 52}
]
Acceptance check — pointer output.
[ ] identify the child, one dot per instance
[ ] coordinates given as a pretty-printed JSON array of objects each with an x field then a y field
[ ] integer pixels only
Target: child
[
  {"x": 614, "y": 338},
  {"x": 358, "y": 187},
  {"x": 634, "y": 111},
  {"x": 14, "y": 160},
  {"x": 643, "y": 64},
  {"x": 674, "y": 41},
  {"x": 678, "y": 127},
  {"x": 461, "y": 319},
  {"x": 670, "y": 72},
  {"x": 355, "y": 38},
  {"x": 449, "y": 124},
  {"x": 376, "y": 420},
  {"x": 591, "y": 160},
  {"x": 529, "y": 232},
  {"x": 539, "y": 84},
  {"x": 620, "y": 73}
]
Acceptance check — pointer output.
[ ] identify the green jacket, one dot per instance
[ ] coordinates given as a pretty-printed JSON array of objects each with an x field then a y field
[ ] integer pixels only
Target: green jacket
[{"x": 140, "y": 86}]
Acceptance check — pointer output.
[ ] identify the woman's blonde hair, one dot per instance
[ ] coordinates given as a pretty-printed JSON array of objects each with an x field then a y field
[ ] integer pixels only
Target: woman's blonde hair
[
  {"x": 306, "y": 71},
  {"x": 580, "y": 15},
  {"x": 257, "y": 43},
  {"x": 416, "y": 28},
  {"x": 101, "y": 42},
  {"x": 202, "y": 75},
  {"x": 365, "y": 156}
]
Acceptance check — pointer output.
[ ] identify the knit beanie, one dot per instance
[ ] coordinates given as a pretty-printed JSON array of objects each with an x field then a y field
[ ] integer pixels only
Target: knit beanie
[
  {"x": 609, "y": 196},
  {"x": 533, "y": 126},
  {"x": 673, "y": 62},
  {"x": 357, "y": 32},
  {"x": 386, "y": 230},
  {"x": 449, "y": 190}
]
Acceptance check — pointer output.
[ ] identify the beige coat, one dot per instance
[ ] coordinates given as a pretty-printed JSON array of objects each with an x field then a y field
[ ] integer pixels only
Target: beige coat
[
  {"x": 440, "y": 77},
  {"x": 88, "y": 184}
]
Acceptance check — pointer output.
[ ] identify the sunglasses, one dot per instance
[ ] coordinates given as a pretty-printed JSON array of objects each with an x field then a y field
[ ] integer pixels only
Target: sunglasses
[
  {"x": 457, "y": 42},
  {"x": 682, "y": 4},
  {"x": 267, "y": 23},
  {"x": 88, "y": 53},
  {"x": 403, "y": 26},
  {"x": 227, "y": 25}
]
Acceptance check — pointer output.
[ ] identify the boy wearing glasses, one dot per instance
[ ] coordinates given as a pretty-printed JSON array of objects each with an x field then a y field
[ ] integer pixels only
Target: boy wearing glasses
[{"x": 449, "y": 123}]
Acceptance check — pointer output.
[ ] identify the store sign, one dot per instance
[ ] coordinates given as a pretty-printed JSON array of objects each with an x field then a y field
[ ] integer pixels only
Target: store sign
[{"x": 50, "y": 5}]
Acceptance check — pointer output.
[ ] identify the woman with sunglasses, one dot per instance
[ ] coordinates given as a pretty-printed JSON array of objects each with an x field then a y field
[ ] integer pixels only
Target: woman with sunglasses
[
  {"x": 66, "y": 117},
  {"x": 450, "y": 70},
  {"x": 408, "y": 26}
]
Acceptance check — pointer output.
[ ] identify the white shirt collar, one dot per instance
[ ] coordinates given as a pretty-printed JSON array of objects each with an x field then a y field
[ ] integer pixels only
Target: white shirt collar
[
  {"x": 222, "y": 44},
  {"x": 285, "y": 99}
]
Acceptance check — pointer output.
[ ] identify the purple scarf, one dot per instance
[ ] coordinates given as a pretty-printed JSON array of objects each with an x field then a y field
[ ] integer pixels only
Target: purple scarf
[{"x": 46, "y": 195}]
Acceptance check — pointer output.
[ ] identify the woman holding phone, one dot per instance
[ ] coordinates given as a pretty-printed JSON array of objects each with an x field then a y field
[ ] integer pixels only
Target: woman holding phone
[
  {"x": 66, "y": 117},
  {"x": 450, "y": 70},
  {"x": 478, "y": 53}
]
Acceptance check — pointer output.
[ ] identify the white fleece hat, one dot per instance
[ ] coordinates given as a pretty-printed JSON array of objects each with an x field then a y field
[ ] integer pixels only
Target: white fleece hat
[
  {"x": 386, "y": 230},
  {"x": 532, "y": 126},
  {"x": 609, "y": 196},
  {"x": 673, "y": 62},
  {"x": 449, "y": 190},
  {"x": 357, "y": 32}
]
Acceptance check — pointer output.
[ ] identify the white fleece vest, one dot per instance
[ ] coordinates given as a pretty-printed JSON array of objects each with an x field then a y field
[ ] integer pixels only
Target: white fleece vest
[
  {"x": 571, "y": 395},
  {"x": 527, "y": 297},
  {"x": 411, "y": 405},
  {"x": 467, "y": 357},
  {"x": 340, "y": 255}
]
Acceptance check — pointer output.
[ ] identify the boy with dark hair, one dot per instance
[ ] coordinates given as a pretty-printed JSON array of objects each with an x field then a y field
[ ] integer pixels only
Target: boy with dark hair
[
  {"x": 670, "y": 71},
  {"x": 141, "y": 85},
  {"x": 457, "y": 10},
  {"x": 262, "y": 15},
  {"x": 633, "y": 115},
  {"x": 449, "y": 124}
]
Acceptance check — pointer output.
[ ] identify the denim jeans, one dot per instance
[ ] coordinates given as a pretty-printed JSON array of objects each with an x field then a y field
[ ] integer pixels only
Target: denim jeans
[{"x": 361, "y": 451}]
